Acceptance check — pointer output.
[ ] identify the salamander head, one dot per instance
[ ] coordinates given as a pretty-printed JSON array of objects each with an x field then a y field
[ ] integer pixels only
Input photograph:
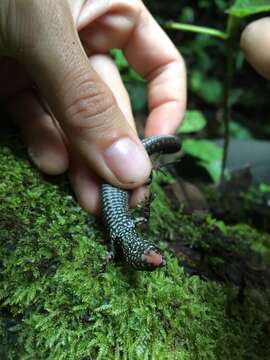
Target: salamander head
[
  {"x": 153, "y": 259},
  {"x": 145, "y": 257}
]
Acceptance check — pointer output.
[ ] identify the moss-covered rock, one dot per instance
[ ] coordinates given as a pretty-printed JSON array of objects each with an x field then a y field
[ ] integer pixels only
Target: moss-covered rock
[{"x": 59, "y": 299}]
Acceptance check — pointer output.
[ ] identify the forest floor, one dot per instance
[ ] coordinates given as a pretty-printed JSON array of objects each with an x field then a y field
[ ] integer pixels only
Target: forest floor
[{"x": 61, "y": 299}]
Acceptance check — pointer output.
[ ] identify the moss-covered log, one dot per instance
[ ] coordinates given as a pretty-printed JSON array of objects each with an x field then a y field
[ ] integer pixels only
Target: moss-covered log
[{"x": 59, "y": 299}]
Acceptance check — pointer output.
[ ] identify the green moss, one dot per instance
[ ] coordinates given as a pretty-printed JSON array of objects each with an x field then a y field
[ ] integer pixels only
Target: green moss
[{"x": 61, "y": 300}]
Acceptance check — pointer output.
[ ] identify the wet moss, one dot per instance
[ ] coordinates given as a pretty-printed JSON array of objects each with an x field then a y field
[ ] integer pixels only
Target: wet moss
[{"x": 61, "y": 300}]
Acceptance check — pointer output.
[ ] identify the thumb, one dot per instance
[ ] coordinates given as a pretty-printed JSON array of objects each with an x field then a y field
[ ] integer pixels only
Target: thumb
[{"x": 50, "y": 49}]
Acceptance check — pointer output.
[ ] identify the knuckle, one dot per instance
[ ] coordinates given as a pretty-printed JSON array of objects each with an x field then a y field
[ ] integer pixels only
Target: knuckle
[
  {"x": 90, "y": 105},
  {"x": 136, "y": 7},
  {"x": 130, "y": 7}
]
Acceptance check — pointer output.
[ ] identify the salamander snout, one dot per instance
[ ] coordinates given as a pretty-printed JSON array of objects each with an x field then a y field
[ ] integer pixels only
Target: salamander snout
[{"x": 153, "y": 259}]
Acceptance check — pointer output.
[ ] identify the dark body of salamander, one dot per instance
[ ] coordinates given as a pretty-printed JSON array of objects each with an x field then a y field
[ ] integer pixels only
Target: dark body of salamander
[{"x": 124, "y": 240}]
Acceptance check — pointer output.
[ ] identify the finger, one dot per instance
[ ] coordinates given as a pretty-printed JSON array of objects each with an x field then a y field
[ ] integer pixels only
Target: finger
[
  {"x": 87, "y": 188},
  {"x": 151, "y": 53},
  {"x": 79, "y": 99},
  {"x": 105, "y": 24},
  {"x": 44, "y": 142},
  {"x": 108, "y": 72},
  {"x": 129, "y": 26},
  {"x": 255, "y": 42},
  {"x": 139, "y": 196},
  {"x": 86, "y": 185}
]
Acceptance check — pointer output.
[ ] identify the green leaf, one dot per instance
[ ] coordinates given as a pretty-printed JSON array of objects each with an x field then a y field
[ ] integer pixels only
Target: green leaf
[
  {"x": 237, "y": 131},
  {"x": 265, "y": 188},
  {"x": 123, "y": 66},
  {"x": 213, "y": 168},
  {"x": 138, "y": 95},
  {"x": 242, "y": 8},
  {"x": 194, "y": 121},
  {"x": 209, "y": 154},
  {"x": 205, "y": 150},
  {"x": 119, "y": 59},
  {"x": 209, "y": 89}
]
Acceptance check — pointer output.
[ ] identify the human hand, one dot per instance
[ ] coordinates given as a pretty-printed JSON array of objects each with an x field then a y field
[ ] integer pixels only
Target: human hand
[
  {"x": 255, "y": 42},
  {"x": 66, "y": 95}
]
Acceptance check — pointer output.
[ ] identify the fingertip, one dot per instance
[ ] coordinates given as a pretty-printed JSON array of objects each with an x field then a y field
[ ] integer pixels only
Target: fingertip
[
  {"x": 128, "y": 161},
  {"x": 165, "y": 119},
  {"x": 86, "y": 186},
  {"x": 48, "y": 160},
  {"x": 140, "y": 196},
  {"x": 89, "y": 201},
  {"x": 255, "y": 42},
  {"x": 40, "y": 131}
]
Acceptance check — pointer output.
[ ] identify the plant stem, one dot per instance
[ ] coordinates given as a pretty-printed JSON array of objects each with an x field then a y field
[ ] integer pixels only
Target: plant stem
[
  {"x": 196, "y": 29},
  {"x": 228, "y": 36},
  {"x": 232, "y": 25}
]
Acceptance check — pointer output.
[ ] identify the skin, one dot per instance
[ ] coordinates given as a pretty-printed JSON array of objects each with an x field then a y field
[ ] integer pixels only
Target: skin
[
  {"x": 65, "y": 94},
  {"x": 255, "y": 42}
]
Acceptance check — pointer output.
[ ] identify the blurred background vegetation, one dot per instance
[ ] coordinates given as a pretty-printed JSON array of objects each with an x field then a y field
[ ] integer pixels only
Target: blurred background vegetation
[
  {"x": 204, "y": 56},
  {"x": 221, "y": 84}
]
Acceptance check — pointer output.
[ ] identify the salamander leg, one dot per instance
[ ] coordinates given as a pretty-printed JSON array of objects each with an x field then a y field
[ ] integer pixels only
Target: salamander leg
[
  {"x": 140, "y": 220},
  {"x": 146, "y": 210},
  {"x": 165, "y": 166},
  {"x": 112, "y": 253}
]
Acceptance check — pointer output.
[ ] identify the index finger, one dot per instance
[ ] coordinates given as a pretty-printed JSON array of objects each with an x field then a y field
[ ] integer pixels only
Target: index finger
[{"x": 152, "y": 54}]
